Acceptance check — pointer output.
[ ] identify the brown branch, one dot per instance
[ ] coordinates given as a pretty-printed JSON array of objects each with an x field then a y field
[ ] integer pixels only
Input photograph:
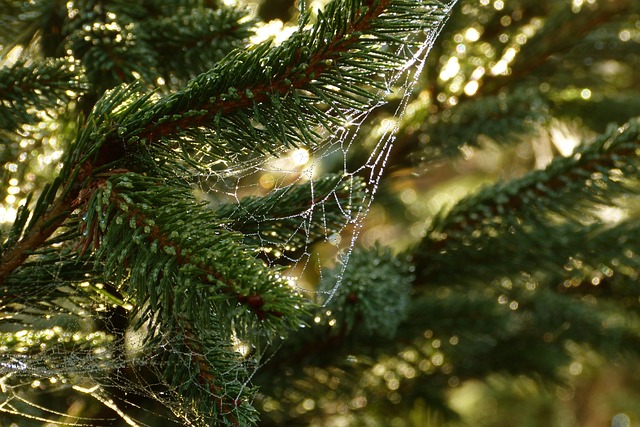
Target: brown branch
[
  {"x": 515, "y": 202},
  {"x": 292, "y": 79},
  {"x": 254, "y": 301},
  {"x": 63, "y": 207},
  {"x": 74, "y": 195},
  {"x": 208, "y": 379},
  {"x": 45, "y": 226}
]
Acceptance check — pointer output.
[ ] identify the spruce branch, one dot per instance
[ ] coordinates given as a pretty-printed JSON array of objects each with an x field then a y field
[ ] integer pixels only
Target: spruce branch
[
  {"x": 57, "y": 274},
  {"x": 103, "y": 36},
  {"x": 361, "y": 304},
  {"x": 606, "y": 264},
  {"x": 65, "y": 193},
  {"x": 373, "y": 294},
  {"x": 206, "y": 376},
  {"x": 554, "y": 50},
  {"x": 472, "y": 335},
  {"x": 504, "y": 119},
  {"x": 195, "y": 251},
  {"x": 28, "y": 88},
  {"x": 118, "y": 208},
  {"x": 19, "y": 246},
  {"x": 191, "y": 276},
  {"x": 548, "y": 42},
  {"x": 37, "y": 18},
  {"x": 535, "y": 216},
  {"x": 464, "y": 334},
  {"x": 187, "y": 44},
  {"x": 262, "y": 98},
  {"x": 593, "y": 175}
]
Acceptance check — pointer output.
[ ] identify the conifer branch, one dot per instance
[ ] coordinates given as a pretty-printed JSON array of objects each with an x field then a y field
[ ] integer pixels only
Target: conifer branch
[
  {"x": 499, "y": 111},
  {"x": 274, "y": 96},
  {"x": 533, "y": 337},
  {"x": 68, "y": 191},
  {"x": 143, "y": 205},
  {"x": 39, "y": 232},
  {"x": 504, "y": 119},
  {"x": 368, "y": 307},
  {"x": 195, "y": 285},
  {"x": 186, "y": 285},
  {"x": 218, "y": 393},
  {"x": 549, "y": 41},
  {"x": 537, "y": 214},
  {"x": 187, "y": 44},
  {"x": 39, "y": 86},
  {"x": 597, "y": 267},
  {"x": 594, "y": 174}
]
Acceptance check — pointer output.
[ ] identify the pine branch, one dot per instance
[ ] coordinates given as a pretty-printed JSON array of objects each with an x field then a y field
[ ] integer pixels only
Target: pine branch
[
  {"x": 540, "y": 219},
  {"x": 165, "y": 223},
  {"x": 188, "y": 44},
  {"x": 26, "y": 89},
  {"x": 262, "y": 98},
  {"x": 504, "y": 119}
]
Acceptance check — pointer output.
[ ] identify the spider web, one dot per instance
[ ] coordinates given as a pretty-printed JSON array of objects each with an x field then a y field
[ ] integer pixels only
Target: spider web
[
  {"x": 359, "y": 159},
  {"x": 115, "y": 370}
]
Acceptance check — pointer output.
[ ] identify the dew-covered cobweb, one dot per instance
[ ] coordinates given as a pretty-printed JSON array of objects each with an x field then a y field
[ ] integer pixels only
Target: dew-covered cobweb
[{"x": 93, "y": 377}]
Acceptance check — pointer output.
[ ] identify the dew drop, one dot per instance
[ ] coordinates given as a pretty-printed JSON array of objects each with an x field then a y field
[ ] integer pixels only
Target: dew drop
[{"x": 335, "y": 239}]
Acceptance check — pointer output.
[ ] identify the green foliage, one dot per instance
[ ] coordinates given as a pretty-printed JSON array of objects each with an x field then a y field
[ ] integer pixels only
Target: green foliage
[
  {"x": 543, "y": 209},
  {"x": 186, "y": 43},
  {"x": 515, "y": 277},
  {"x": 368, "y": 295},
  {"x": 36, "y": 87},
  {"x": 147, "y": 265},
  {"x": 177, "y": 265},
  {"x": 504, "y": 118}
]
